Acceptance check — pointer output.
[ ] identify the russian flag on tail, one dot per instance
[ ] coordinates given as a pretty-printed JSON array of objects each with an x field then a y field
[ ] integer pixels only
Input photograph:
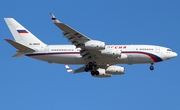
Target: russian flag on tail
[{"x": 22, "y": 31}]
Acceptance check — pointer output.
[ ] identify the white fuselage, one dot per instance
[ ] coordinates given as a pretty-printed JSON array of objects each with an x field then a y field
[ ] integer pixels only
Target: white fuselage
[
  {"x": 95, "y": 56},
  {"x": 130, "y": 54}
]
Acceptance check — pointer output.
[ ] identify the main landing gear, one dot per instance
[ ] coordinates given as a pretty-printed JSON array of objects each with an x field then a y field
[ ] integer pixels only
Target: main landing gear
[
  {"x": 94, "y": 73},
  {"x": 151, "y": 67},
  {"x": 91, "y": 67}
]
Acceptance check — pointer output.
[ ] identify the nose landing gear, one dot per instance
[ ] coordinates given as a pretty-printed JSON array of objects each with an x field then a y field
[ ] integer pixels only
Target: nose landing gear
[{"x": 151, "y": 67}]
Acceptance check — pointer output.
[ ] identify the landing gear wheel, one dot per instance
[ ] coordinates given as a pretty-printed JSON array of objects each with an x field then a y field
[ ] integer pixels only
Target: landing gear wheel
[
  {"x": 86, "y": 69},
  {"x": 94, "y": 64},
  {"x": 97, "y": 73},
  {"x": 90, "y": 68},
  {"x": 151, "y": 67},
  {"x": 90, "y": 64},
  {"x": 92, "y": 73}
]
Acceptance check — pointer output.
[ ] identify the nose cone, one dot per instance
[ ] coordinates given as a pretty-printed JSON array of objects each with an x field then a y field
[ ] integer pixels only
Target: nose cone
[
  {"x": 170, "y": 55},
  {"x": 174, "y": 54}
]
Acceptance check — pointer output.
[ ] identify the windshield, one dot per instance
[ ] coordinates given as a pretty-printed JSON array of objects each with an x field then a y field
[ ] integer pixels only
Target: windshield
[{"x": 169, "y": 50}]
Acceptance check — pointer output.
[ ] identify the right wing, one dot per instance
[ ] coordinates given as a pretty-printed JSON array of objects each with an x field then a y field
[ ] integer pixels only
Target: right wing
[{"x": 102, "y": 73}]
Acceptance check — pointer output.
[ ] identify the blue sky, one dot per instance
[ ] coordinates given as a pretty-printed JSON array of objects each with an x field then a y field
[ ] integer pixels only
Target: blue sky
[{"x": 29, "y": 84}]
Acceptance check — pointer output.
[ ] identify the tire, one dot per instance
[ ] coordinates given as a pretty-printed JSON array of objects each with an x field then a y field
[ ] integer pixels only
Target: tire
[
  {"x": 90, "y": 64},
  {"x": 151, "y": 67},
  {"x": 86, "y": 69},
  {"x": 90, "y": 68},
  {"x": 94, "y": 64},
  {"x": 92, "y": 73},
  {"x": 97, "y": 73}
]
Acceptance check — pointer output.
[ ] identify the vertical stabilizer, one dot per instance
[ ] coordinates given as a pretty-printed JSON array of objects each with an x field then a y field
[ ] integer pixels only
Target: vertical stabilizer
[{"x": 22, "y": 35}]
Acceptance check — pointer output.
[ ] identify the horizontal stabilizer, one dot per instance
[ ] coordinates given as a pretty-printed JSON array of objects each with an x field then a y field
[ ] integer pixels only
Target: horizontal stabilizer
[
  {"x": 20, "y": 47},
  {"x": 79, "y": 70},
  {"x": 19, "y": 54},
  {"x": 68, "y": 69}
]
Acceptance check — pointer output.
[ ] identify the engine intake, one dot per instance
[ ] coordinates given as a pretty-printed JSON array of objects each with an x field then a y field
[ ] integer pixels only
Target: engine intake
[{"x": 102, "y": 74}]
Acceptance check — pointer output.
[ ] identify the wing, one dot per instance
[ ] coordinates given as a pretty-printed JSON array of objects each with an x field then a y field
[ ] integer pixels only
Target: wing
[
  {"x": 88, "y": 46},
  {"x": 68, "y": 31}
]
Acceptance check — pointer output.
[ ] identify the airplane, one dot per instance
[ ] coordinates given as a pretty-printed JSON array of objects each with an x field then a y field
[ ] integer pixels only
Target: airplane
[{"x": 96, "y": 57}]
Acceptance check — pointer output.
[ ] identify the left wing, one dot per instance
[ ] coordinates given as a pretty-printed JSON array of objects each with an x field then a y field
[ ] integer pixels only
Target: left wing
[
  {"x": 88, "y": 46},
  {"x": 68, "y": 32}
]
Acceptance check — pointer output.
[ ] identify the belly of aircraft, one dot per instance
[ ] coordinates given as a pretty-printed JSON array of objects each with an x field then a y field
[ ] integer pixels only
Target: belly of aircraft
[{"x": 71, "y": 59}]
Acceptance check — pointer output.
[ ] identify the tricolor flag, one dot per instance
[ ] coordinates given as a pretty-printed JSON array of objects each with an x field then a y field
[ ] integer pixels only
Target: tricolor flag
[
  {"x": 53, "y": 18},
  {"x": 22, "y": 31}
]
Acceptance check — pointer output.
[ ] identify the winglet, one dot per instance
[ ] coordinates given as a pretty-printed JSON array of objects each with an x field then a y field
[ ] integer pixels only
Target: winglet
[
  {"x": 54, "y": 19},
  {"x": 68, "y": 69}
]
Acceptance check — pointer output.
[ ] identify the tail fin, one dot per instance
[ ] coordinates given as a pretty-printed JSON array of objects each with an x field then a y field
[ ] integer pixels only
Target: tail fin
[{"x": 22, "y": 35}]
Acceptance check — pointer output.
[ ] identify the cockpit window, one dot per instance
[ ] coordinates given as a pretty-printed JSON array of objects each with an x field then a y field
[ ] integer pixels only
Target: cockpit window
[{"x": 169, "y": 50}]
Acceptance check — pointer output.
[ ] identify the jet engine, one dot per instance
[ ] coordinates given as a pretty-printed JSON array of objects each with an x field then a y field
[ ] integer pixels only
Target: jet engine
[
  {"x": 115, "y": 70},
  {"x": 93, "y": 44},
  {"x": 111, "y": 52},
  {"x": 102, "y": 74}
]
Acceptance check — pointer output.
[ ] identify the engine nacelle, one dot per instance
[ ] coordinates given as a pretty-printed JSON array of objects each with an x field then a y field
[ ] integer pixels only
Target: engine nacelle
[
  {"x": 102, "y": 74},
  {"x": 115, "y": 70},
  {"x": 111, "y": 52},
  {"x": 97, "y": 45}
]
